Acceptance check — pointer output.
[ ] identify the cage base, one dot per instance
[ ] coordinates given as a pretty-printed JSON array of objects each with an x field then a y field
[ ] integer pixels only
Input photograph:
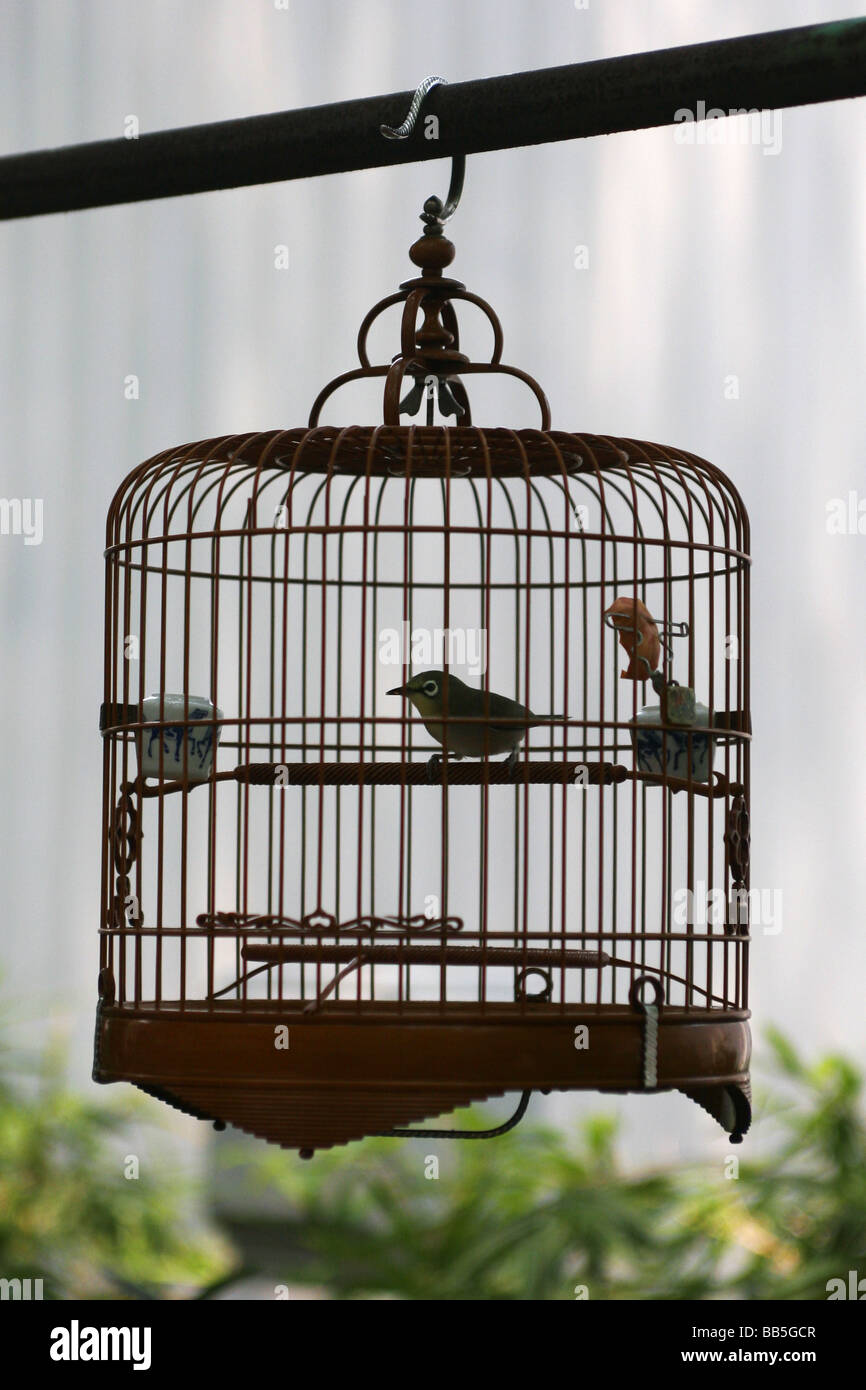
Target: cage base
[{"x": 313, "y": 1080}]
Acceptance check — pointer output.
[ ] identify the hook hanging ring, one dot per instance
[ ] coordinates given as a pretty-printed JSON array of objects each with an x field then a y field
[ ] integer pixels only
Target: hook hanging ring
[{"x": 435, "y": 213}]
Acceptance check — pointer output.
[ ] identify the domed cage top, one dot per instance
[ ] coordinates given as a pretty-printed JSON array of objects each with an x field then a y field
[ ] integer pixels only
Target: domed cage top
[{"x": 316, "y": 924}]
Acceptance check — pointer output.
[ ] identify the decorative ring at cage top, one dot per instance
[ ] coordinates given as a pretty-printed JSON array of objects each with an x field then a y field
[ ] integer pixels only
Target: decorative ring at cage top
[{"x": 427, "y": 838}]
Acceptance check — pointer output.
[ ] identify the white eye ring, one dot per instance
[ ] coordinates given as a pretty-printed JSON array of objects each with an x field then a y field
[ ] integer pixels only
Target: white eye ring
[{"x": 430, "y": 688}]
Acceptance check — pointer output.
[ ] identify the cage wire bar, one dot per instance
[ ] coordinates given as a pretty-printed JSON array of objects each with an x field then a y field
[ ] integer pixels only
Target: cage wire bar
[{"x": 788, "y": 67}]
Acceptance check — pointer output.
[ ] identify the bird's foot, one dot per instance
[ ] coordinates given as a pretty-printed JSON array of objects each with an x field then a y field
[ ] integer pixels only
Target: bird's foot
[
  {"x": 511, "y": 764},
  {"x": 434, "y": 769}
]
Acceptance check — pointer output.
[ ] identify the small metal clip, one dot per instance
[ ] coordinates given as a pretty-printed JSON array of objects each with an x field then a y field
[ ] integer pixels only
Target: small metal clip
[
  {"x": 667, "y": 630},
  {"x": 625, "y": 622}
]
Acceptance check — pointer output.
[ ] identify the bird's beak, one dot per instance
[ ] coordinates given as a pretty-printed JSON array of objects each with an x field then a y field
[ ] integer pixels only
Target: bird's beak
[{"x": 398, "y": 690}]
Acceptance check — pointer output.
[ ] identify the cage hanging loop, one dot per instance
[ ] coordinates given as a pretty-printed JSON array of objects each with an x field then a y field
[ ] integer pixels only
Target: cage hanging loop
[{"x": 436, "y": 213}]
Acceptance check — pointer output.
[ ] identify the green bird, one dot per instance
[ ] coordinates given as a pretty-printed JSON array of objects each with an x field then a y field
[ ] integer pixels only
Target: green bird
[{"x": 501, "y": 726}]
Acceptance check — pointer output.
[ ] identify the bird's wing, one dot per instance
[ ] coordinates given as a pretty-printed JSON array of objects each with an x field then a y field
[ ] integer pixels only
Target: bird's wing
[{"x": 500, "y": 707}]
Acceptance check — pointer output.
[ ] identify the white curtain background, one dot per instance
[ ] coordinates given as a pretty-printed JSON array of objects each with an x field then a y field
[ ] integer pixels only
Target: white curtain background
[{"x": 705, "y": 262}]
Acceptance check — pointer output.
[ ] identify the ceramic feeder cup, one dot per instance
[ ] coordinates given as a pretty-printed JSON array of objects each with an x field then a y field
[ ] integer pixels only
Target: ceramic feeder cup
[
  {"x": 171, "y": 742},
  {"x": 668, "y": 755}
]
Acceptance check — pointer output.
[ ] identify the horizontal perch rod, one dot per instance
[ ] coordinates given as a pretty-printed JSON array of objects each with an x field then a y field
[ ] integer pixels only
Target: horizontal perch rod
[
  {"x": 425, "y": 955},
  {"x": 345, "y": 774},
  {"x": 356, "y": 957}
]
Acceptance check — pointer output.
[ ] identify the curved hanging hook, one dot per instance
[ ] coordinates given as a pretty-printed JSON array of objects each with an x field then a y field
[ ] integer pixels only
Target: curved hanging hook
[{"x": 435, "y": 211}]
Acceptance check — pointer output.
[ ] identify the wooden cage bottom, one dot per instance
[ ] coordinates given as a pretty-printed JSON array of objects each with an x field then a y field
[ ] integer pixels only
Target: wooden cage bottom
[{"x": 313, "y": 1080}]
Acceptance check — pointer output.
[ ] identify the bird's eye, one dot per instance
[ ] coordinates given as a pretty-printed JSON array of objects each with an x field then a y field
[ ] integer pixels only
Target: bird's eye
[{"x": 431, "y": 688}]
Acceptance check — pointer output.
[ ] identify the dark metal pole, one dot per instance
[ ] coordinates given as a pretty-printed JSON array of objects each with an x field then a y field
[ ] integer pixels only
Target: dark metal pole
[{"x": 791, "y": 67}]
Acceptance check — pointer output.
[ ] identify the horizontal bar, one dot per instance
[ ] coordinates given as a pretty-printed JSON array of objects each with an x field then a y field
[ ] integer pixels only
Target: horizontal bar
[
  {"x": 788, "y": 67},
  {"x": 695, "y": 935},
  {"x": 117, "y": 716},
  {"x": 112, "y": 552},
  {"x": 426, "y": 955},
  {"x": 463, "y": 774}
]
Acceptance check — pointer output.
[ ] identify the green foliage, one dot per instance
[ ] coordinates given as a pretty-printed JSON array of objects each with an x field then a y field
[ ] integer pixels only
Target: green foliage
[
  {"x": 810, "y": 1195},
  {"x": 532, "y": 1216},
  {"x": 68, "y": 1213}
]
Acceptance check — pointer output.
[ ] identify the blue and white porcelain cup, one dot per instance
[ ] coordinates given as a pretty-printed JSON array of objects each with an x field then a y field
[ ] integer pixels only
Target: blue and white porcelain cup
[
  {"x": 667, "y": 754},
  {"x": 198, "y": 737}
]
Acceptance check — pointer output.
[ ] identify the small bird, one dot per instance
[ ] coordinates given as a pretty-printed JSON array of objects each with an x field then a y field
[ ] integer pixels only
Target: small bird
[
  {"x": 639, "y": 636},
  {"x": 489, "y": 737}
]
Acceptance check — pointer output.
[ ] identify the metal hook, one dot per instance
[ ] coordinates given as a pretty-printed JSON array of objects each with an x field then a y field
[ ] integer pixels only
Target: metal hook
[{"x": 435, "y": 213}]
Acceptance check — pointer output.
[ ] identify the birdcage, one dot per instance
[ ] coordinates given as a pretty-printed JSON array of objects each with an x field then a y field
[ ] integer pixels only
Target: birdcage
[{"x": 318, "y": 921}]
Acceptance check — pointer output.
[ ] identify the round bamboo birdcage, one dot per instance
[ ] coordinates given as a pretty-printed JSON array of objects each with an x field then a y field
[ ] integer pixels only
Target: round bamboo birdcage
[{"x": 311, "y": 928}]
